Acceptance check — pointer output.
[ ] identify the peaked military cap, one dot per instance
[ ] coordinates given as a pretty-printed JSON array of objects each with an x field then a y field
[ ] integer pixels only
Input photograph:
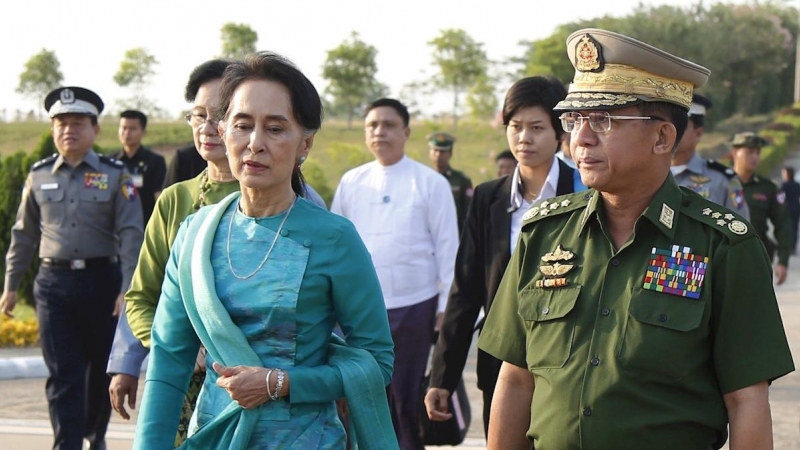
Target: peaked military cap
[
  {"x": 614, "y": 71},
  {"x": 441, "y": 141},
  {"x": 700, "y": 105},
  {"x": 73, "y": 100},
  {"x": 749, "y": 139}
]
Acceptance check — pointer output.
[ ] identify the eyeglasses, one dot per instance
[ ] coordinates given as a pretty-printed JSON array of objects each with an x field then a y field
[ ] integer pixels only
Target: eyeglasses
[
  {"x": 599, "y": 122},
  {"x": 198, "y": 120}
]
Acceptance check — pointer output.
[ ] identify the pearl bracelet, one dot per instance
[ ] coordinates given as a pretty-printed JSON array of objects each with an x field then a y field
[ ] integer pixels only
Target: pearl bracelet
[{"x": 278, "y": 385}]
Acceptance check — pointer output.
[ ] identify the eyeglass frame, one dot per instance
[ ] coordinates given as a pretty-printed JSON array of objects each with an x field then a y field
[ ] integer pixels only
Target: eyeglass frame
[
  {"x": 607, "y": 119},
  {"x": 206, "y": 119}
]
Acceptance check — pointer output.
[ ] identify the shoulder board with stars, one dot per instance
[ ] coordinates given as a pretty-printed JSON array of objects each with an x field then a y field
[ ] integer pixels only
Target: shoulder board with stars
[
  {"x": 718, "y": 217},
  {"x": 111, "y": 161},
  {"x": 45, "y": 162},
  {"x": 557, "y": 205},
  {"x": 721, "y": 168}
]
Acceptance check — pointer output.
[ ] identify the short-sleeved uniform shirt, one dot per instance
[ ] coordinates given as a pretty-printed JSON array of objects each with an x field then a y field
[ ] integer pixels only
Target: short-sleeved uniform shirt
[
  {"x": 637, "y": 345},
  {"x": 461, "y": 186},
  {"x": 766, "y": 202},
  {"x": 715, "y": 182}
]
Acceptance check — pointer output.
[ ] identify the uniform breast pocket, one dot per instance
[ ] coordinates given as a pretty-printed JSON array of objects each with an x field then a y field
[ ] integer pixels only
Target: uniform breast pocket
[
  {"x": 52, "y": 205},
  {"x": 98, "y": 201},
  {"x": 663, "y": 334},
  {"x": 550, "y": 323}
]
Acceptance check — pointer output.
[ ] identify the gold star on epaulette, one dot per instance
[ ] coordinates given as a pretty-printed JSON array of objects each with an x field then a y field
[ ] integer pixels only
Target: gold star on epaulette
[
  {"x": 721, "y": 222},
  {"x": 565, "y": 203},
  {"x": 707, "y": 211},
  {"x": 544, "y": 211},
  {"x": 553, "y": 205},
  {"x": 544, "y": 204},
  {"x": 729, "y": 216},
  {"x": 716, "y": 215}
]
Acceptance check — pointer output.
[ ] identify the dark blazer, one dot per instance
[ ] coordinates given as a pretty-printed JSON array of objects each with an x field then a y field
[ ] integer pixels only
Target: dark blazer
[
  {"x": 186, "y": 164},
  {"x": 483, "y": 254}
]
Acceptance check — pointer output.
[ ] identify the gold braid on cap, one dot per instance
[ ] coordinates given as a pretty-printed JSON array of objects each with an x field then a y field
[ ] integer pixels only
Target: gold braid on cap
[{"x": 622, "y": 79}]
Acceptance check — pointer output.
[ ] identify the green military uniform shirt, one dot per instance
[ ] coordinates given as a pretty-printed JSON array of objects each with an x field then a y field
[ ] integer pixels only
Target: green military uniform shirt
[
  {"x": 635, "y": 348},
  {"x": 766, "y": 202},
  {"x": 462, "y": 193}
]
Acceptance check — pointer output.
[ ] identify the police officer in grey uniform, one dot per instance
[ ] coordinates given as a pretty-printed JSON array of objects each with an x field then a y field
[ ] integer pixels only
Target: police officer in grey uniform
[
  {"x": 83, "y": 213},
  {"x": 709, "y": 178}
]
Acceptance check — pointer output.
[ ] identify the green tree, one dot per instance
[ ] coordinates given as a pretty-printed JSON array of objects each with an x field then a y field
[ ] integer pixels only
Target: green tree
[
  {"x": 135, "y": 71},
  {"x": 41, "y": 75},
  {"x": 482, "y": 98},
  {"x": 350, "y": 71},
  {"x": 461, "y": 62},
  {"x": 238, "y": 40}
]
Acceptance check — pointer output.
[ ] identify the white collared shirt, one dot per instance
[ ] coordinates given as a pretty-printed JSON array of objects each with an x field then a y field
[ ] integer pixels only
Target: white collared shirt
[
  {"x": 406, "y": 216},
  {"x": 517, "y": 200}
]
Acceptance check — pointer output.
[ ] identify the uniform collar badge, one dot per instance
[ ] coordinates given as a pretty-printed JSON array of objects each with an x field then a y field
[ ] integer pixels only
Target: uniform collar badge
[
  {"x": 554, "y": 273},
  {"x": 667, "y": 215},
  {"x": 588, "y": 55}
]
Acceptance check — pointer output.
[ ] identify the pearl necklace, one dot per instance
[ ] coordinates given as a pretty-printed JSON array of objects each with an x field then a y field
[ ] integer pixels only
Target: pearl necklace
[{"x": 269, "y": 252}]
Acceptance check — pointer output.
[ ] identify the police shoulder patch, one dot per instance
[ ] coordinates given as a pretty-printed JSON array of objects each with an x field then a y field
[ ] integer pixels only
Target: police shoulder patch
[
  {"x": 111, "y": 161},
  {"x": 721, "y": 168},
  {"x": 556, "y": 206},
  {"x": 720, "y": 218},
  {"x": 45, "y": 162}
]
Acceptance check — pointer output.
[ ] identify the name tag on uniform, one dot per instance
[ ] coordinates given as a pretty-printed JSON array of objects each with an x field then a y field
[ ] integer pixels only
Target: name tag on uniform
[
  {"x": 49, "y": 186},
  {"x": 138, "y": 180}
]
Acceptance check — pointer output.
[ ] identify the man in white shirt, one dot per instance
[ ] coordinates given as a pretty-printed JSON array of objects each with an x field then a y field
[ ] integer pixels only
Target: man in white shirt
[{"x": 406, "y": 215}]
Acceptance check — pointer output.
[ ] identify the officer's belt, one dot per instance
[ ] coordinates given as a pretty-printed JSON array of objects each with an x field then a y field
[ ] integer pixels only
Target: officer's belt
[{"x": 79, "y": 264}]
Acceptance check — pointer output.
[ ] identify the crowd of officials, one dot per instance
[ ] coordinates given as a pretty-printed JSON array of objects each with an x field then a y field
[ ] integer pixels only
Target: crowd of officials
[{"x": 601, "y": 268}]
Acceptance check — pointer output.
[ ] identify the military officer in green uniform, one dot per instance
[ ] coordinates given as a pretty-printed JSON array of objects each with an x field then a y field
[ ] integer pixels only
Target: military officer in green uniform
[
  {"x": 765, "y": 200},
  {"x": 707, "y": 177},
  {"x": 441, "y": 150},
  {"x": 626, "y": 318}
]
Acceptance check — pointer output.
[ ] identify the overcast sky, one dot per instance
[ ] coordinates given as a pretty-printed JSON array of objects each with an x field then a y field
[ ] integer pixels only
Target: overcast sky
[{"x": 90, "y": 37}]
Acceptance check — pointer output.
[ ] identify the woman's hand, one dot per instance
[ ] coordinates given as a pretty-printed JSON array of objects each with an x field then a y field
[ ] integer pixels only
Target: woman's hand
[{"x": 246, "y": 385}]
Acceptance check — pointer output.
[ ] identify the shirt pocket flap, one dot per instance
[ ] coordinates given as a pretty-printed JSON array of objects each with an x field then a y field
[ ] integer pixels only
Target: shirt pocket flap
[
  {"x": 666, "y": 310},
  {"x": 50, "y": 195},
  {"x": 542, "y": 304}
]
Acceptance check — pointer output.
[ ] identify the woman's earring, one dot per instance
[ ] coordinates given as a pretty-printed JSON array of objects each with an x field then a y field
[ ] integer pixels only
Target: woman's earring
[{"x": 301, "y": 160}]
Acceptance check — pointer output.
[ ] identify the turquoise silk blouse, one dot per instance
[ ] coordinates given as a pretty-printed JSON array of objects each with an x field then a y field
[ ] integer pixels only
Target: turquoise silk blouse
[{"x": 318, "y": 274}]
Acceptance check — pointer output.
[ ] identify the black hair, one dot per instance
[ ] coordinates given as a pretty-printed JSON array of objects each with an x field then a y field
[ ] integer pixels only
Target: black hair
[
  {"x": 697, "y": 120},
  {"x": 544, "y": 92},
  {"x": 401, "y": 109},
  {"x": 133, "y": 114},
  {"x": 789, "y": 171},
  {"x": 202, "y": 74},
  {"x": 669, "y": 112},
  {"x": 306, "y": 104},
  {"x": 505, "y": 154}
]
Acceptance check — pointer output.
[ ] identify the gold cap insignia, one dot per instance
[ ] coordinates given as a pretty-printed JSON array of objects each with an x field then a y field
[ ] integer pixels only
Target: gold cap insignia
[{"x": 588, "y": 56}]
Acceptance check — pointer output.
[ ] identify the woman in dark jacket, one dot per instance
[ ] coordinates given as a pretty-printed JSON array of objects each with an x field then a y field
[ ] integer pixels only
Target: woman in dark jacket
[{"x": 490, "y": 234}]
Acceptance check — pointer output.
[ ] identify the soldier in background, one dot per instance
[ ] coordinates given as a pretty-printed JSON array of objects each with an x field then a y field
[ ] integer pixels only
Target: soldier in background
[
  {"x": 83, "y": 213},
  {"x": 441, "y": 151},
  {"x": 764, "y": 199},
  {"x": 708, "y": 178}
]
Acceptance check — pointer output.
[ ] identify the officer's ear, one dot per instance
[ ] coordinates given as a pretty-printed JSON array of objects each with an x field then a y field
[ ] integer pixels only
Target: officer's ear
[{"x": 665, "y": 138}]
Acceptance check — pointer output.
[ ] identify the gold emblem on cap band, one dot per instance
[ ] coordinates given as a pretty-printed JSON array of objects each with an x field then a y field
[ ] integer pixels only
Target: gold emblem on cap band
[{"x": 622, "y": 79}]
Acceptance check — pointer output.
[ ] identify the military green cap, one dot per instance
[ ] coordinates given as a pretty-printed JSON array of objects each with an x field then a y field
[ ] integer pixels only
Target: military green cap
[
  {"x": 749, "y": 139},
  {"x": 614, "y": 71},
  {"x": 441, "y": 141}
]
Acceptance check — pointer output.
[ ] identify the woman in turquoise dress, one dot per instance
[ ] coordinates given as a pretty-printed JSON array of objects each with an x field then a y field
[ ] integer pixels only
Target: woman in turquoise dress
[{"x": 261, "y": 279}]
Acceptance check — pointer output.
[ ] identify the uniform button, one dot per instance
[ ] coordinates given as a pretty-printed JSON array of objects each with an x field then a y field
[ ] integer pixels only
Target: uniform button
[
  {"x": 595, "y": 361},
  {"x": 75, "y": 251},
  {"x": 686, "y": 203},
  {"x": 284, "y": 233},
  {"x": 307, "y": 243},
  {"x": 587, "y": 411},
  {"x": 662, "y": 317},
  {"x": 605, "y": 311},
  {"x": 587, "y": 197},
  {"x": 546, "y": 310},
  {"x": 73, "y": 225},
  {"x": 615, "y": 262}
]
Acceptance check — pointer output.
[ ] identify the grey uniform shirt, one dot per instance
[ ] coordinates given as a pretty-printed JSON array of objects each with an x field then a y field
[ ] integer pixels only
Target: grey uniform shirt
[
  {"x": 88, "y": 211},
  {"x": 715, "y": 182}
]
